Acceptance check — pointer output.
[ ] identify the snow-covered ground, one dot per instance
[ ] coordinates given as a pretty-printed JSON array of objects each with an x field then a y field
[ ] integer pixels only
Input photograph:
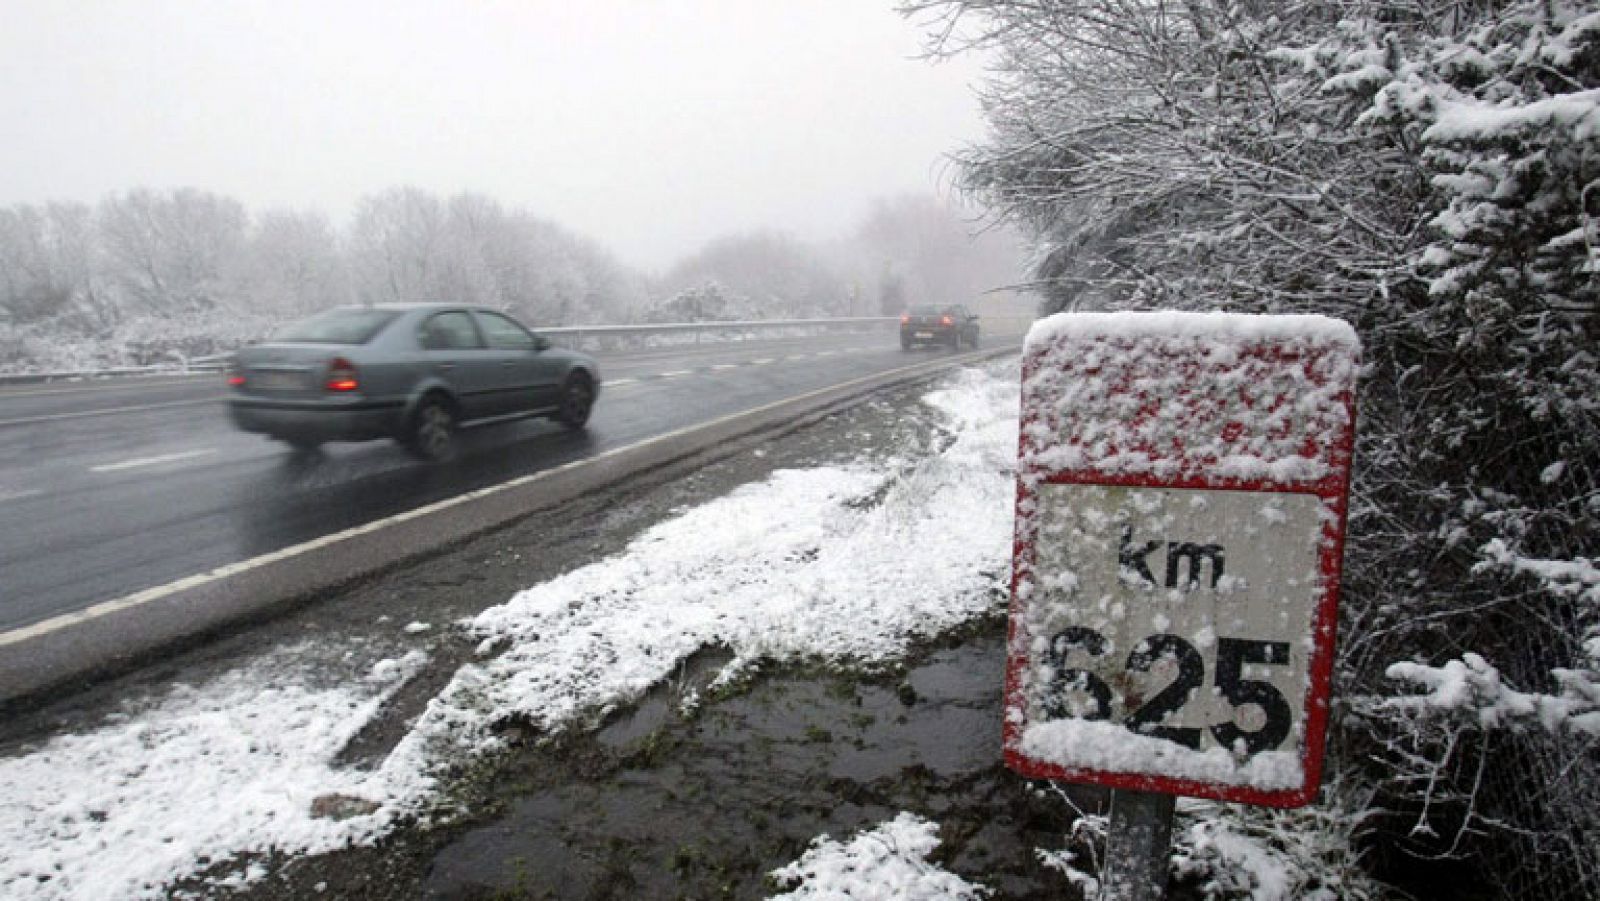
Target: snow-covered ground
[
  {"x": 849, "y": 564},
  {"x": 845, "y": 565}
]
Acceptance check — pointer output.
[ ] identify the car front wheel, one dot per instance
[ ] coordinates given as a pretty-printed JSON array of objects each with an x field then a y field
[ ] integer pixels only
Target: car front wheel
[
  {"x": 432, "y": 434},
  {"x": 577, "y": 400}
]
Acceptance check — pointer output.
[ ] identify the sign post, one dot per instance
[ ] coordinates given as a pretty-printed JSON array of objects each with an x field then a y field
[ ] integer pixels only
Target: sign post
[{"x": 1181, "y": 494}]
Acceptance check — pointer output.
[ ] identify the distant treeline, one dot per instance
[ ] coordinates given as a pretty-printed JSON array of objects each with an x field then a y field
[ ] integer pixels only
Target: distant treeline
[{"x": 149, "y": 276}]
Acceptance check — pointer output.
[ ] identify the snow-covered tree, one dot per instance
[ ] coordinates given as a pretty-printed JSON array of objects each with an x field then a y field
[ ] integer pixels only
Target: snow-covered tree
[
  {"x": 292, "y": 265},
  {"x": 1430, "y": 172},
  {"x": 410, "y": 246},
  {"x": 764, "y": 275}
]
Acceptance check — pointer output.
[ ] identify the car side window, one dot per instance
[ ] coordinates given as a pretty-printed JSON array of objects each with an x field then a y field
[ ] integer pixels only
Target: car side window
[
  {"x": 505, "y": 333},
  {"x": 449, "y": 331}
]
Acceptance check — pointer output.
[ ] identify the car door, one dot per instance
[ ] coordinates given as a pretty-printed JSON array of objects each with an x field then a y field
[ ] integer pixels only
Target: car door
[
  {"x": 529, "y": 378},
  {"x": 453, "y": 351}
]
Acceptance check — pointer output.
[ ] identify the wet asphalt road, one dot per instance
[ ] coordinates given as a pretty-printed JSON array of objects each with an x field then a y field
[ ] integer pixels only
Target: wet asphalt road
[{"x": 111, "y": 487}]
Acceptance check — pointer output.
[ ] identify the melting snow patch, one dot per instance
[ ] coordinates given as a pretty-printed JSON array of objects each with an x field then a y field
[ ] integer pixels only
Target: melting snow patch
[
  {"x": 229, "y": 768},
  {"x": 848, "y": 564},
  {"x": 887, "y": 863}
]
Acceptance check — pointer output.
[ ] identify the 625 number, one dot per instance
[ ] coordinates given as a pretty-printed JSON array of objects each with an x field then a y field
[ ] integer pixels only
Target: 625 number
[{"x": 1148, "y": 718}]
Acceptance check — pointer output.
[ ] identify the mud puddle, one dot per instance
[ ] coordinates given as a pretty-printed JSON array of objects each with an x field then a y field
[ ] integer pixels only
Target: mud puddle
[{"x": 664, "y": 803}]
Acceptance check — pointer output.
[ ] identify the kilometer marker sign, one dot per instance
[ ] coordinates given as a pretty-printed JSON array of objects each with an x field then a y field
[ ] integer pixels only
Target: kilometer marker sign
[{"x": 1181, "y": 499}]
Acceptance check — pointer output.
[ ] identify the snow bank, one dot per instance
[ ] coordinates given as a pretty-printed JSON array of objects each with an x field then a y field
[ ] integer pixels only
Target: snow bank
[
  {"x": 228, "y": 768},
  {"x": 886, "y": 863}
]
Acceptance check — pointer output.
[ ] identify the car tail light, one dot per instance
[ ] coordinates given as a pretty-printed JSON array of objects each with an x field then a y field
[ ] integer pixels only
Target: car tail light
[
  {"x": 342, "y": 375},
  {"x": 946, "y": 320},
  {"x": 235, "y": 379},
  {"x": 906, "y": 319}
]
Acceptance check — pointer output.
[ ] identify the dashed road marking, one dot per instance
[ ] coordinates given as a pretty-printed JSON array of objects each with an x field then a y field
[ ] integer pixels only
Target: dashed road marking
[
  {"x": 676, "y": 373},
  {"x": 722, "y": 366},
  {"x": 17, "y": 495},
  {"x": 762, "y": 362},
  {"x": 153, "y": 461}
]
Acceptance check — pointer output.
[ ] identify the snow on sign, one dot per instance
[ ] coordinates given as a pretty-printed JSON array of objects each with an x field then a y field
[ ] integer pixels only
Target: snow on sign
[{"x": 1180, "y": 523}]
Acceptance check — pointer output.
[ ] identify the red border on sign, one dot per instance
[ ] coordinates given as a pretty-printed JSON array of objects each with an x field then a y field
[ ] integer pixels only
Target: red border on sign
[{"x": 1332, "y": 490}]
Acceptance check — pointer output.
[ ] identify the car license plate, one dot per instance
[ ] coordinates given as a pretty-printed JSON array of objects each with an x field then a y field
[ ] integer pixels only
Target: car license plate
[
  {"x": 279, "y": 381},
  {"x": 924, "y": 334}
]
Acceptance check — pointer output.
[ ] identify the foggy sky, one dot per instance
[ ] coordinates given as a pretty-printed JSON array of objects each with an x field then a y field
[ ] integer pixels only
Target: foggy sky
[{"x": 648, "y": 125}]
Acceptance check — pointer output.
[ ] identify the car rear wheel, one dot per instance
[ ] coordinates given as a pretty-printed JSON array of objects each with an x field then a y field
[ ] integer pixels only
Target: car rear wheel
[
  {"x": 577, "y": 400},
  {"x": 432, "y": 433}
]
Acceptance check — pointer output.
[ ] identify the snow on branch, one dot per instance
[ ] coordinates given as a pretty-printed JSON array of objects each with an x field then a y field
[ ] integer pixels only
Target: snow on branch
[
  {"x": 1578, "y": 577},
  {"x": 1471, "y": 685}
]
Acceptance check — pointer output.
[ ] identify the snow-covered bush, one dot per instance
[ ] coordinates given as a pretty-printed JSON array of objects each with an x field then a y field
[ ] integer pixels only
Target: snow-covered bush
[{"x": 1429, "y": 172}]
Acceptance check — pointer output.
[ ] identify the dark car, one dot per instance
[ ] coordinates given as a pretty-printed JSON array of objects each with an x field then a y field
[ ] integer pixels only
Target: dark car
[
  {"x": 414, "y": 373},
  {"x": 951, "y": 326}
]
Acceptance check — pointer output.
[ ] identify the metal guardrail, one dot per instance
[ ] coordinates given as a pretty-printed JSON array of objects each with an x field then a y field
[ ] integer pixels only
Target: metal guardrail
[
  {"x": 612, "y": 336},
  {"x": 197, "y": 366},
  {"x": 607, "y": 336}
]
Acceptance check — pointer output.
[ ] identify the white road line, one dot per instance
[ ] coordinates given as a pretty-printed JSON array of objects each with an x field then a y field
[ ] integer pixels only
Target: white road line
[
  {"x": 722, "y": 366},
  {"x": 619, "y": 383},
  {"x": 6, "y": 495},
  {"x": 762, "y": 362},
  {"x": 57, "y": 417},
  {"x": 139, "y": 599},
  {"x": 153, "y": 461},
  {"x": 675, "y": 373},
  {"x": 826, "y": 353}
]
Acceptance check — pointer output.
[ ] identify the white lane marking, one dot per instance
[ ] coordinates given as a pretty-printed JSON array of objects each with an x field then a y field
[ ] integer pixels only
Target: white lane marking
[
  {"x": 8, "y": 495},
  {"x": 152, "y": 461},
  {"x": 762, "y": 362},
  {"x": 722, "y": 366},
  {"x": 798, "y": 357},
  {"x": 675, "y": 373},
  {"x": 57, "y": 417},
  {"x": 826, "y": 353},
  {"x": 140, "y": 598},
  {"x": 619, "y": 383}
]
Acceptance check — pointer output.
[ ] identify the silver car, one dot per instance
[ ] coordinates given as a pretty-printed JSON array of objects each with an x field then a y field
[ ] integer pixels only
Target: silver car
[{"x": 412, "y": 372}]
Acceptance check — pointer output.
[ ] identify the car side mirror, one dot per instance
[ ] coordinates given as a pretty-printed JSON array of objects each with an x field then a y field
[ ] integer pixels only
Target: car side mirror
[{"x": 540, "y": 344}]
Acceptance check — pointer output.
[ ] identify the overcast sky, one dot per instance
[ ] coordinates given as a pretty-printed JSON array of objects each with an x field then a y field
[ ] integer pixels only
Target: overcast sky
[{"x": 649, "y": 125}]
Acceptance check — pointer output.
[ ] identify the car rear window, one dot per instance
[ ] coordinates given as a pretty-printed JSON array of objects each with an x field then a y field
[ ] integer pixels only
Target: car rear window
[
  {"x": 337, "y": 327},
  {"x": 924, "y": 311}
]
